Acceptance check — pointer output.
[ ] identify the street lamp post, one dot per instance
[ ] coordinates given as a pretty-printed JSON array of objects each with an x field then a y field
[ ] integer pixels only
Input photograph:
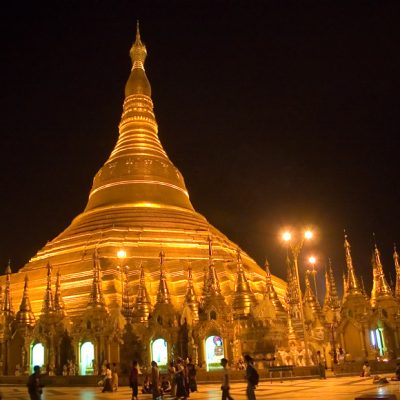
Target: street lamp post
[
  {"x": 296, "y": 248},
  {"x": 121, "y": 254},
  {"x": 312, "y": 260}
]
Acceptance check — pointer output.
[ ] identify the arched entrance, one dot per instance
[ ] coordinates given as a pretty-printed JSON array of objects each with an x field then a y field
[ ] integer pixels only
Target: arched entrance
[
  {"x": 214, "y": 352},
  {"x": 37, "y": 355},
  {"x": 86, "y": 358},
  {"x": 159, "y": 352}
]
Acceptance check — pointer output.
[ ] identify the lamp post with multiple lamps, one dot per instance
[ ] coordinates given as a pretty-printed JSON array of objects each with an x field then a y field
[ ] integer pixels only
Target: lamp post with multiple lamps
[{"x": 295, "y": 247}]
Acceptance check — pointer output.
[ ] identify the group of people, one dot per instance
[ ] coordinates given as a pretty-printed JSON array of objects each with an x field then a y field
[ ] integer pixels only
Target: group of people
[
  {"x": 109, "y": 377},
  {"x": 251, "y": 376},
  {"x": 179, "y": 383}
]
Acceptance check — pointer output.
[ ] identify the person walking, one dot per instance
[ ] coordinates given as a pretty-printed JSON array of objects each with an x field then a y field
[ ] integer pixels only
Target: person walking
[
  {"x": 252, "y": 378},
  {"x": 34, "y": 384},
  {"x": 133, "y": 379},
  {"x": 225, "y": 380},
  {"x": 155, "y": 380},
  {"x": 321, "y": 365},
  {"x": 191, "y": 368},
  {"x": 172, "y": 378},
  {"x": 107, "y": 380},
  {"x": 180, "y": 379},
  {"x": 114, "y": 374}
]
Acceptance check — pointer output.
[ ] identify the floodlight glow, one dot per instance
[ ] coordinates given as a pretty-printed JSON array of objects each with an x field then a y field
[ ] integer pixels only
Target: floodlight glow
[
  {"x": 121, "y": 253},
  {"x": 287, "y": 236}
]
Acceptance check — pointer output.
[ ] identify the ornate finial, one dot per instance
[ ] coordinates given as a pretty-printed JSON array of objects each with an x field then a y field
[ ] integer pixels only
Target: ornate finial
[
  {"x": 331, "y": 301},
  {"x": 138, "y": 51},
  {"x": 25, "y": 316},
  {"x": 8, "y": 268},
  {"x": 137, "y": 31},
  {"x": 190, "y": 296},
  {"x": 96, "y": 296},
  {"x": 48, "y": 303},
  {"x": 163, "y": 296},
  {"x": 210, "y": 252},
  {"x": 7, "y": 302},
  {"x": 142, "y": 304},
  {"x": 58, "y": 300},
  {"x": 162, "y": 256}
]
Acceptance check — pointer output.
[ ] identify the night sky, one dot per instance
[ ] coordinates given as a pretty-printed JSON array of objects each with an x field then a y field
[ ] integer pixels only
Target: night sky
[{"x": 276, "y": 113}]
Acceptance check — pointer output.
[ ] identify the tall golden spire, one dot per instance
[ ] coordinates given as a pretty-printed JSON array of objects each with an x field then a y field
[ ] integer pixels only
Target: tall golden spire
[
  {"x": 352, "y": 284},
  {"x": 270, "y": 290},
  {"x": 190, "y": 296},
  {"x": 397, "y": 267},
  {"x": 163, "y": 296},
  {"x": 142, "y": 304},
  {"x": 48, "y": 303},
  {"x": 243, "y": 298},
  {"x": 138, "y": 172},
  {"x": 380, "y": 286},
  {"x": 25, "y": 315},
  {"x": 7, "y": 301},
  {"x": 59, "y": 305},
  {"x": 96, "y": 299}
]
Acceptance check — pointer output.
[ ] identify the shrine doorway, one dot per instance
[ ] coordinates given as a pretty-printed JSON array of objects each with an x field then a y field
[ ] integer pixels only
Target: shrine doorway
[
  {"x": 86, "y": 358},
  {"x": 214, "y": 352}
]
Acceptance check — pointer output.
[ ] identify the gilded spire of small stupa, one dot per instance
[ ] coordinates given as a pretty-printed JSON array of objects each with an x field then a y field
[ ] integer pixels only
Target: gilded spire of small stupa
[
  {"x": 142, "y": 303},
  {"x": 310, "y": 301},
  {"x": 243, "y": 298},
  {"x": 96, "y": 295},
  {"x": 363, "y": 291},
  {"x": 380, "y": 286},
  {"x": 212, "y": 286},
  {"x": 25, "y": 315},
  {"x": 397, "y": 267},
  {"x": 48, "y": 303},
  {"x": 190, "y": 296},
  {"x": 163, "y": 296},
  {"x": 353, "y": 286},
  {"x": 7, "y": 301},
  {"x": 270, "y": 290},
  {"x": 59, "y": 305},
  {"x": 331, "y": 300}
]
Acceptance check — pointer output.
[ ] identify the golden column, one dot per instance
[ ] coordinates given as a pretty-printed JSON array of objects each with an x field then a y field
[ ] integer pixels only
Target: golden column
[{"x": 295, "y": 248}]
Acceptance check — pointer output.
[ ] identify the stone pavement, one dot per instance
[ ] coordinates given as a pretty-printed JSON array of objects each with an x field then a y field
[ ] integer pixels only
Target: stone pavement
[{"x": 310, "y": 389}]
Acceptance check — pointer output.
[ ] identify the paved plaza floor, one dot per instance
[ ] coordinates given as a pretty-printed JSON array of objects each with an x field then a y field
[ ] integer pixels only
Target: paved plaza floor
[{"x": 310, "y": 389}]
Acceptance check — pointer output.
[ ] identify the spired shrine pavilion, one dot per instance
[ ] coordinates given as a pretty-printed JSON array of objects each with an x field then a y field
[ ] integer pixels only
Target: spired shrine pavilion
[{"x": 139, "y": 274}]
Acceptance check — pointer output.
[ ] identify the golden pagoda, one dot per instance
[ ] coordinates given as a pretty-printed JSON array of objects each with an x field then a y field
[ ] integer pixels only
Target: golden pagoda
[{"x": 138, "y": 203}]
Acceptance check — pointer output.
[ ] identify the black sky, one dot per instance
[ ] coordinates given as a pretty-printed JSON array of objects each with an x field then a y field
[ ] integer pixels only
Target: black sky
[{"x": 277, "y": 113}]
